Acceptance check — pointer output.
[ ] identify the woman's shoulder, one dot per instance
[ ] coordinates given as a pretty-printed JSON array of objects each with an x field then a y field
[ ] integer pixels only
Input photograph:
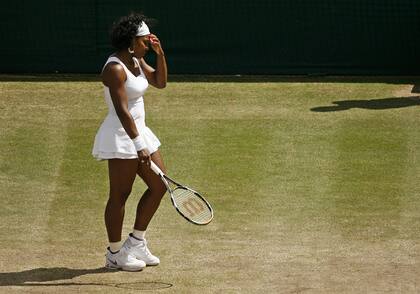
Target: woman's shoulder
[
  {"x": 112, "y": 59},
  {"x": 113, "y": 63},
  {"x": 113, "y": 70}
]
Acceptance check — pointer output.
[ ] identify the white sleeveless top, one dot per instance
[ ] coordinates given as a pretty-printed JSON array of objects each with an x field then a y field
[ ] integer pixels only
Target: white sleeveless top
[{"x": 111, "y": 140}]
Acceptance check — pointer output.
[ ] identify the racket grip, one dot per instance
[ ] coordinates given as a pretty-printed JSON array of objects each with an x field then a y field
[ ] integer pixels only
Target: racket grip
[{"x": 155, "y": 168}]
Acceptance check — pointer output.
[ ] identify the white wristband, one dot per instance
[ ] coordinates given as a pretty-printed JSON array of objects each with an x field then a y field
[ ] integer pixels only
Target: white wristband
[{"x": 139, "y": 143}]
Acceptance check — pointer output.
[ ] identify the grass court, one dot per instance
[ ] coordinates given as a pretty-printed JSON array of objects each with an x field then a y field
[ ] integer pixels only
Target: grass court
[{"x": 315, "y": 183}]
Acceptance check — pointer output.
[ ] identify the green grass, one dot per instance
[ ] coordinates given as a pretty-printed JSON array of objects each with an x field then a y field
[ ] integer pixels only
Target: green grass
[{"x": 309, "y": 196}]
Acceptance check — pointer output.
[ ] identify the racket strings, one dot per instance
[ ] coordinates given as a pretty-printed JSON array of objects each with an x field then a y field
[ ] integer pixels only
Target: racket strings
[{"x": 192, "y": 206}]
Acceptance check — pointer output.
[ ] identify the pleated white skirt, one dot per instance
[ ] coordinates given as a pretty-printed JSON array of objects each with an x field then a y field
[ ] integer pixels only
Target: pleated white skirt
[{"x": 112, "y": 141}]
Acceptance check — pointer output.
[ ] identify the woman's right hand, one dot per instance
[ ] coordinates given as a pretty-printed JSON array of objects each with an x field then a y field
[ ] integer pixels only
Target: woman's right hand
[{"x": 144, "y": 157}]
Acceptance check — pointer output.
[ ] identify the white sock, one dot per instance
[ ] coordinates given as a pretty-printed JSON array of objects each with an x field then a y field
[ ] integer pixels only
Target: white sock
[
  {"x": 115, "y": 246},
  {"x": 139, "y": 234}
]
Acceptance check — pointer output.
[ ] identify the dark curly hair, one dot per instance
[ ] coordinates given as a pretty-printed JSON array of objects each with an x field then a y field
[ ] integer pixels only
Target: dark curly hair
[{"x": 125, "y": 29}]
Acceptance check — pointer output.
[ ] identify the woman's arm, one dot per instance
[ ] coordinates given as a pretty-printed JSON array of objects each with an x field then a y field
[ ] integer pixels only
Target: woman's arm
[
  {"x": 159, "y": 76},
  {"x": 114, "y": 78}
]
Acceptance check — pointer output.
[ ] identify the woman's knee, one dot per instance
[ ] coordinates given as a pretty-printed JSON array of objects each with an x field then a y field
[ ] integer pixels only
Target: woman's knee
[
  {"x": 159, "y": 189},
  {"x": 119, "y": 197}
]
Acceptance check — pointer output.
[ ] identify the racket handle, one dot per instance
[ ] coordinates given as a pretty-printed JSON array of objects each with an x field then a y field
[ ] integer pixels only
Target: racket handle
[{"x": 155, "y": 168}]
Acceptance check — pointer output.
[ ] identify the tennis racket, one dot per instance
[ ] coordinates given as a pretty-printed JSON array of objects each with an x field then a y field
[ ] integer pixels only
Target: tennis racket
[{"x": 189, "y": 203}]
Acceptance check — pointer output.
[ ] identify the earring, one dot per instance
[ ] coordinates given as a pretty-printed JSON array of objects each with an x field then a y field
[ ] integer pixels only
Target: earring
[{"x": 130, "y": 50}]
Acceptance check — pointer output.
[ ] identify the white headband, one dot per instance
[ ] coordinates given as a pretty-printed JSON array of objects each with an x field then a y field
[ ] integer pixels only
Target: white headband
[{"x": 143, "y": 30}]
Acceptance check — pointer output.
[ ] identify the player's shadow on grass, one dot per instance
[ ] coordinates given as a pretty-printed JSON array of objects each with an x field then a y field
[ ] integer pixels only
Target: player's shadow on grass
[
  {"x": 373, "y": 104},
  {"x": 39, "y": 275},
  {"x": 57, "y": 276}
]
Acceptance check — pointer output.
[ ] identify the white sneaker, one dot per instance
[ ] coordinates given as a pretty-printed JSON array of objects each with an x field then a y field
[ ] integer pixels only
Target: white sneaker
[
  {"x": 123, "y": 260},
  {"x": 138, "y": 249}
]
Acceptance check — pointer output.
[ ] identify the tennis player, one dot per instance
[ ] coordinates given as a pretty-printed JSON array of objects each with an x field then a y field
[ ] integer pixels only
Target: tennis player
[{"x": 125, "y": 141}]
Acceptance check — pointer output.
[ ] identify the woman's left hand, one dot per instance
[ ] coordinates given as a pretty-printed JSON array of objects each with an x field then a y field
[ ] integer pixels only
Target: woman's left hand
[{"x": 155, "y": 43}]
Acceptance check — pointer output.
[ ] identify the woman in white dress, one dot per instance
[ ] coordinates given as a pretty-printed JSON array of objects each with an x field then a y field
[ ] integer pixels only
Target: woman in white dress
[{"x": 126, "y": 143}]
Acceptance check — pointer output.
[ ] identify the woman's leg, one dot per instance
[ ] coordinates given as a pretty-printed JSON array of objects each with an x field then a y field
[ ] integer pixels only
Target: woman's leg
[
  {"x": 122, "y": 173},
  {"x": 150, "y": 200}
]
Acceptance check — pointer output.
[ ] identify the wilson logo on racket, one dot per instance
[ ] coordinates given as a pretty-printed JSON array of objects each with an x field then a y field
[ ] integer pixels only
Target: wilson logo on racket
[{"x": 193, "y": 206}]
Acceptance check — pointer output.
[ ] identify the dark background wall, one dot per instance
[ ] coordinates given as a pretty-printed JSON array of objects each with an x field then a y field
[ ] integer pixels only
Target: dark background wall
[{"x": 219, "y": 36}]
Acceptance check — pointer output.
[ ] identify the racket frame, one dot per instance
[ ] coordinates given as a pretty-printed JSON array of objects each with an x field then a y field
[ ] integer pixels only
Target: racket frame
[{"x": 166, "y": 179}]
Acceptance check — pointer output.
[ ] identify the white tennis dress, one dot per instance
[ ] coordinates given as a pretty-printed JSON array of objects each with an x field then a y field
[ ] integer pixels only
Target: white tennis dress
[{"x": 112, "y": 141}]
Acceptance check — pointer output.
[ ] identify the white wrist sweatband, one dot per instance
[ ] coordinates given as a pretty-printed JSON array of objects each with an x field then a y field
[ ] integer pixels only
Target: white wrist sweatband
[{"x": 139, "y": 143}]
